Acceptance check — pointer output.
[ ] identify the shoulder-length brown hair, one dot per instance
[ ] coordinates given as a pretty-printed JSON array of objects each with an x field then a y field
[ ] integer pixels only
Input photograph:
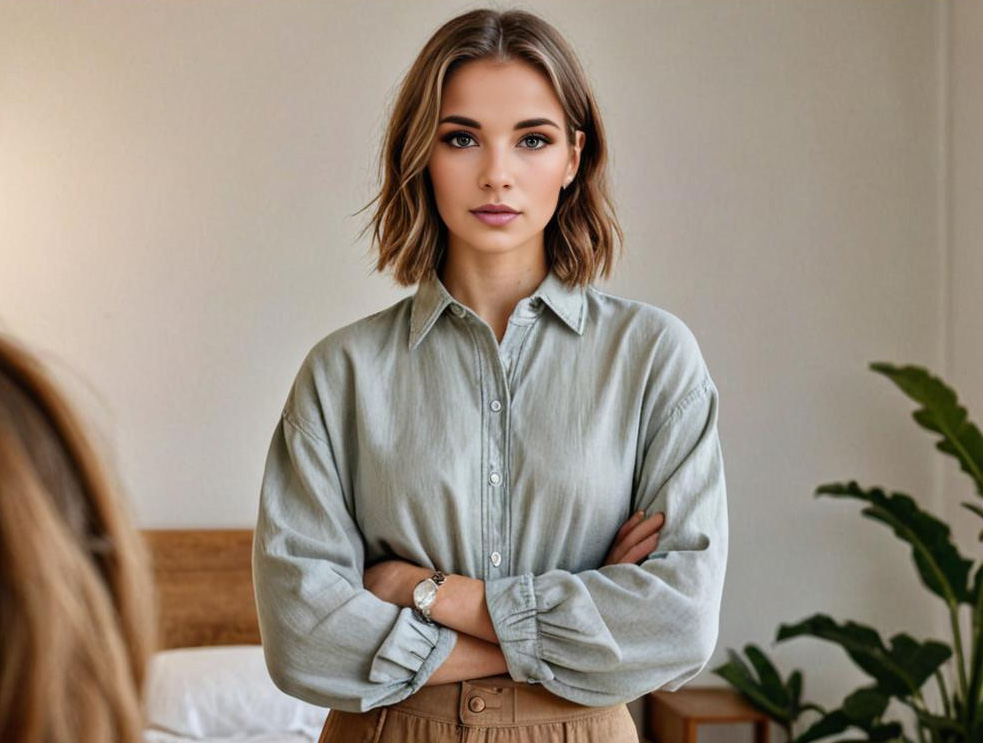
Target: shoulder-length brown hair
[
  {"x": 408, "y": 232},
  {"x": 77, "y": 609}
]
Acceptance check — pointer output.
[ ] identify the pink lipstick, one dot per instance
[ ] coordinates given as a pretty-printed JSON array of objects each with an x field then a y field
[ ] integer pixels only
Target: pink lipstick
[{"x": 495, "y": 214}]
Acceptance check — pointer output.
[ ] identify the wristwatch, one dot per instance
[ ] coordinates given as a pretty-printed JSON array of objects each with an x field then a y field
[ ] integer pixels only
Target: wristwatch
[{"x": 425, "y": 594}]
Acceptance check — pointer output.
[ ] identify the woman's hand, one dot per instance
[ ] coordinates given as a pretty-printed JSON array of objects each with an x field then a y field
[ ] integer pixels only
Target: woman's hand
[
  {"x": 394, "y": 580},
  {"x": 635, "y": 539}
]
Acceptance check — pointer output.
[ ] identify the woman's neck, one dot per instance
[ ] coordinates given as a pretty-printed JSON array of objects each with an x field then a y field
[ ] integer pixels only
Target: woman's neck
[{"x": 492, "y": 290}]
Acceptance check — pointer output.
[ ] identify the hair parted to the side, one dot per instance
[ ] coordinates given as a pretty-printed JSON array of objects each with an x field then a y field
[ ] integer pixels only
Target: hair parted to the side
[
  {"x": 78, "y": 612},
  {"x": 408, "y": 232}
]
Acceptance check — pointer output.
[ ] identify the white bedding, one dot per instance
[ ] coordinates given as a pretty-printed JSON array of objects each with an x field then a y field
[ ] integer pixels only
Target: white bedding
[{"x": 223, "y": 694}]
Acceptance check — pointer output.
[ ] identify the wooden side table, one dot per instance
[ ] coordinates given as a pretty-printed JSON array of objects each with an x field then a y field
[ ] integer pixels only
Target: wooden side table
[{"x": 673, "y": 716}]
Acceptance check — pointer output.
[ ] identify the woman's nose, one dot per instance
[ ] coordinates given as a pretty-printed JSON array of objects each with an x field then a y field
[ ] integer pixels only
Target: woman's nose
[{"x": 495, "y": 170}]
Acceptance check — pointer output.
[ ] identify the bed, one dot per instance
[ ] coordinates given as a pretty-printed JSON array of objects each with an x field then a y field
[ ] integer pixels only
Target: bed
[{"x": 209, "y": 683}]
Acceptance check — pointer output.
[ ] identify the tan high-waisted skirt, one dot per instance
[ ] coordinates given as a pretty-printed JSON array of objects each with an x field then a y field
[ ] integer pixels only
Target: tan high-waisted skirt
[{"x": 494, "y": 709}]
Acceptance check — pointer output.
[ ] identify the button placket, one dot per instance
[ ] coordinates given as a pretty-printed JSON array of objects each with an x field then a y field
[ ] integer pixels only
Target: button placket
[
  {"x": 497, "y": 448},
  {"x": 498, "y": 392},
  {"x": 498, "y": 493},
  {"x": 497, "y": 416}
]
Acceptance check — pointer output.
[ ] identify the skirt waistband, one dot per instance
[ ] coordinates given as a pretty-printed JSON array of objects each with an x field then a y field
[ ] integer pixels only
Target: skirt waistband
[{"x": 495, "y": 701}]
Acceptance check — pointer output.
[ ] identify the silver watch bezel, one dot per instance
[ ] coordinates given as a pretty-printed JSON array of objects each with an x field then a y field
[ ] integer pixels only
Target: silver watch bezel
[{"x": 423, "y": 606}]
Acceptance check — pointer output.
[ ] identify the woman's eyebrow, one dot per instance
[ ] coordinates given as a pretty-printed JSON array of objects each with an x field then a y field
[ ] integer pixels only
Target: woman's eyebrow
[{"x": 465, "y": 121}]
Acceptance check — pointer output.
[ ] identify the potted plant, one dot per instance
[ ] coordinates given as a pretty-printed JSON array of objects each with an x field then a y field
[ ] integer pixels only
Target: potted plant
[{"x": 902, "y": 667}]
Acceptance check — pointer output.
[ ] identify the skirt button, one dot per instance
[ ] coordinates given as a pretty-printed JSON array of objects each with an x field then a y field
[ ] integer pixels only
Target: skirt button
[{"x": 476, "y": 704}]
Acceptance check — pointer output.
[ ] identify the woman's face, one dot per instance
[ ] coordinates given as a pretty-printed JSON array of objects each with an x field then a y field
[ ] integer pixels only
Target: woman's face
[{"x": 488, "y": 150}]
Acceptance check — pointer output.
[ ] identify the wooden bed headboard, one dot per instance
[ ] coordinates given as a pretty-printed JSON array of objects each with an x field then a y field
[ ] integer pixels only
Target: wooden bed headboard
[{"x": 205, "y": 586}]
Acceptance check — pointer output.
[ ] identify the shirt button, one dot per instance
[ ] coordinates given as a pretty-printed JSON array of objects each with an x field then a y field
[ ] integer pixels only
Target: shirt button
[
  {"x": 476, "y": 704},
  {"x": 495, "y": 559},
  {"x": 495, "y": 478},
  {"x": 496, "y": 406},
  {"x": 457, "y": 310}
]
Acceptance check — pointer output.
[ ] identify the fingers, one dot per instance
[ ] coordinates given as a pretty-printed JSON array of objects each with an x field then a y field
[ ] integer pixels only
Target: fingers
[
  {"x": 631, "y": 554},
  {"x": 629, "y": 524},
  {"x": 642, "y": 549},
  {"x": 643, "y": 529},
  {"x": 633, "y": 533},
  {"x": 636, "y": 519}
]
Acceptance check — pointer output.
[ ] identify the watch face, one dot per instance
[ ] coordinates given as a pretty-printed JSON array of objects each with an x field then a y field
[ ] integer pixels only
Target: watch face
[{"x": 425, "y": 592}]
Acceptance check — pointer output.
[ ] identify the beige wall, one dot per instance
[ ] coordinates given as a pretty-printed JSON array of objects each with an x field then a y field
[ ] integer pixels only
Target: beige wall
[
  {"x": 797, "y": 181},
  {"x": 961, "y": 237}
]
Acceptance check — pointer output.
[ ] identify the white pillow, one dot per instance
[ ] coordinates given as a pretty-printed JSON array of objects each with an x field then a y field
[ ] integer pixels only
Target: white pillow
[{"x": 222, "y": 691}]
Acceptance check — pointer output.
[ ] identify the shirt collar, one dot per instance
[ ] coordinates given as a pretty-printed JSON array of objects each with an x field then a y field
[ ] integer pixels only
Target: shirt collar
[{"x": 432, "y": 298}]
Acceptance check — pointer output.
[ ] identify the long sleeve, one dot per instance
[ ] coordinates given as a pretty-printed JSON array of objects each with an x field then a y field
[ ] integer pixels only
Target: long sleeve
[
  {"x": 612, "y": 634},
  {"x": 328, "y": 640}
]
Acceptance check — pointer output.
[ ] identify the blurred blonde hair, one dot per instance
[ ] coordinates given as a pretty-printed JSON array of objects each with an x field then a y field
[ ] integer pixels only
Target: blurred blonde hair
[
  {"x": 408, "y": 232},
  {"x": 77, "y": 607}
]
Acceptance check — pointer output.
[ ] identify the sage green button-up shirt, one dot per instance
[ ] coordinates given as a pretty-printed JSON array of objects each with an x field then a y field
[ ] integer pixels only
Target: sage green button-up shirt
[{"x": 413, "y": 434}]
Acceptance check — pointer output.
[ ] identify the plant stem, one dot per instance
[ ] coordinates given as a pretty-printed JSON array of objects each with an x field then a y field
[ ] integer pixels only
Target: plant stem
[
  {"x": 976, "y": 662},
  {"x": 960, "y": 657},
  {"x": 921, "y": 731},
  {"x": 964, "y": 455},
  {"x": 947, "y": 705},
  {"x": 913, "y": 702},
  {"x": 951, "y": 601}
]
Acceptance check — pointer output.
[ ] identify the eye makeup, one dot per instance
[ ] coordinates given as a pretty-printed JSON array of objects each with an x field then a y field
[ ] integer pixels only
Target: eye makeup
[{"x": 451, "y": 136}]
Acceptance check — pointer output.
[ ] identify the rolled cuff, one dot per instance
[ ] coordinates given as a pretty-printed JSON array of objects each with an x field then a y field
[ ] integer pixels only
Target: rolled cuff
[{"x": 412, "y": 651}]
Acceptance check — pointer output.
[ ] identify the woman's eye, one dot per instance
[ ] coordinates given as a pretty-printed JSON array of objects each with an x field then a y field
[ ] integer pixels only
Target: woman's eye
[
  {"x": 456, "y": 136},
  {"x": 453, "y": 140},
  {"x": 536, "y": 138}
]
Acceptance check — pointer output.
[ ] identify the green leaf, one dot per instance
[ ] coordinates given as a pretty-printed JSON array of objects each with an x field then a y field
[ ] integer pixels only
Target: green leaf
[
  {"x": 899, "y": 671},
  {"x": 940, "y": 724},
  {"x": 892, "y": 731},
  {"x": 794, "y": 689},
  {"x": 738, "y": 675},
  {"x": 978, "y": 511},
  {"x": 860, "y": 709},
  {"x": 865, "y": 705},
  {"x": 839, "y": 720},
  {"x": 834, "y": 722},
  {"x": 974, "y": 508},
  {"x": 942, "y": 569},
  {"x": 770, "y": 681},
  {"x": 942, "y": 414},
  {"x": 976, "y": 637},
  {"x": 885, "y": 732},
  {"x": 976, "y": 736}
]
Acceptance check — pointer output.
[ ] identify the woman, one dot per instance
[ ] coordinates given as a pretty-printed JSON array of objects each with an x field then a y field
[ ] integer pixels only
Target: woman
[
  {"x": 443, "y": 542},
  {"x": 77, "y": 613}
]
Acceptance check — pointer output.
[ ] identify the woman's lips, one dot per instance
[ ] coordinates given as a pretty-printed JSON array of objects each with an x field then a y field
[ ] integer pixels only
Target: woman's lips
[{"x": 496, "y": 219}]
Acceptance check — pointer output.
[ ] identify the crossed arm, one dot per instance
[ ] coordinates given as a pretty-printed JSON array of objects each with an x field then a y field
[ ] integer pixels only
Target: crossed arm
[
  {"x": 461, "y": 603},
  {"x": 573, "y": 632}
]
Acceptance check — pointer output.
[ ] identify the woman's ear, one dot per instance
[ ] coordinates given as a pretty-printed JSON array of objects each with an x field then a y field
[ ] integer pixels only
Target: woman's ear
[{"x": 574, "y": 165}]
